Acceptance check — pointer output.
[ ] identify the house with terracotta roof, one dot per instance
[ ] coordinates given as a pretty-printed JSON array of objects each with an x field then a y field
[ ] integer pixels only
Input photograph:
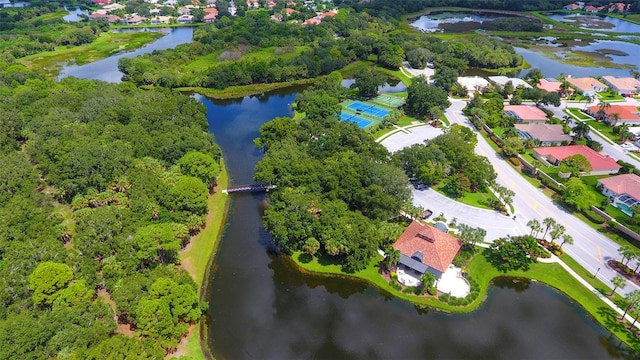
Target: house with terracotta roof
[
  {"x": 134, "y": 20},
  {"x": 525, "y": 113},
  {"x": 424, "y": 248},
  {"x": 590, "y": 8},
  {"x": 571, "y": 7},
  {"x": 161, "y": 20},
  {"x": 616, "y": 114},
  {"x": 549, "y": 85},
  {"x": 600, "y": 164},
  {"x": 544, "y": 134},
  {"x": 626, "y": 86},
  {"x": 587, "y": 86},
  {"x": 622, "y": 190}
]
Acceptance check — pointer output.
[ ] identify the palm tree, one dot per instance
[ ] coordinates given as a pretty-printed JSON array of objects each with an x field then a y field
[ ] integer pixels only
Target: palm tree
[
  {"x": 566, "y": 239},
  {"x": 548, "y": 223},
  {"x": 392, "y": 259},
  {"x": 557, "y": 232},
  {"x": 618, "y": 282},
  {"x": 614, "y": 118},
  {"x": 581, "y": 130},
  {"x": 626, "y": 251},
  {"x": 632, "y": 299},
  {"x": 588, "y": 100},
  {"x": 566, "y": 120},
  {"x": 535, "y": 226},
  {"x": 635, "y": 74}
]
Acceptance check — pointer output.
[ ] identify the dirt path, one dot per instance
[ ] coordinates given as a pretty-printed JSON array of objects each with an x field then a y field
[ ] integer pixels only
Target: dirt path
[{"x": 124, "y": 329}]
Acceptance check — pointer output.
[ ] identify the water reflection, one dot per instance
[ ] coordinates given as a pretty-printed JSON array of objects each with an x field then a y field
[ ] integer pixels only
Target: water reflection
[{"x": 595, "y": 22}]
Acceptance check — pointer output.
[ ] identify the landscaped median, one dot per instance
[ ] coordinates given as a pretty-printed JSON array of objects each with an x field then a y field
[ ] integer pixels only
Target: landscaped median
[
  {"x": 197, "y": 256},
  {"x": 482, "y": 272}
]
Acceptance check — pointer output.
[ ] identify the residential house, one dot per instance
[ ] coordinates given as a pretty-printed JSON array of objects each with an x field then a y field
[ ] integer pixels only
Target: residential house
[
  {"x": 591, "y": 9},
  {"x": 110, "y": 18},
  {"x": 587, "y": 86},
  {"x": 424, "y": 248},
  {"x": 209, "y": 18},
  {"x": 161, "y": 20},
  {"x": 253, "y": 4},
  {"x": 619, "y": 7},
  {"x": 526, "y": 113},
  {"x": 134, "y": 20},
  {"x": 101, "y": 2},
  {"x": 549, "y": 85},
  {"x": 545, "y": 134},
  {"x": 622, "y": 190},
  {"x": 473, "y": 83},
  {"x": 503, "y": 80},
  {"x": 571, "y": 7},
  {"x": 627, "y": 86},
  {"x": 113, "y": 7},
  {"x": 600, "y": 164},
  {"x": 616, "y": 114},
  {"x": 184, "y": 19}
]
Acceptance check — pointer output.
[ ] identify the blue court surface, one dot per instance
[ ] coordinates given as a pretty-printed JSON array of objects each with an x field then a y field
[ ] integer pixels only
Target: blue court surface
[
  {"x": 368, "y": 109},
  {"x": 362, "y": 123}
]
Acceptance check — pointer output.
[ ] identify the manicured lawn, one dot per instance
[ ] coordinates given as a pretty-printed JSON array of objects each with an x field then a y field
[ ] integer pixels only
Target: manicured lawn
[
  {"x": 605, "y": 130},
  {"x": 605, "y": 95},
  {"x": 477, "y": 199},
  {"x": 579, "y": 114}
]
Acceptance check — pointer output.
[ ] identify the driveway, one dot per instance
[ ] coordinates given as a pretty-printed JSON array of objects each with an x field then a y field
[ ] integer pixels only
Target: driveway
[{"x": 416, "y": 135}]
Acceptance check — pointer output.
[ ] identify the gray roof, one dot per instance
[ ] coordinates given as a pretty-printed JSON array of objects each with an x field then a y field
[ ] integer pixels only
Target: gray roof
[{"x": 413, "y": 264}]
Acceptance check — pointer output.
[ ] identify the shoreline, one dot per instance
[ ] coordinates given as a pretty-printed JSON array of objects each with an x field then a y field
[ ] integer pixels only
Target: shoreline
[
  {"x": 550, "y": 274},
  {"x": 198, "y": 260}
]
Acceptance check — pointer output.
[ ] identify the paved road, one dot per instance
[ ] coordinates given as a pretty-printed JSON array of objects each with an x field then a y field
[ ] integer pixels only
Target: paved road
[{"x": 591, "y": 249}]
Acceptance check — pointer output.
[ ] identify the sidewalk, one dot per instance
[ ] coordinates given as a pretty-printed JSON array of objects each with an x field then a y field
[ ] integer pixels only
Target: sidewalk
[{"x": 605, "y": 299}]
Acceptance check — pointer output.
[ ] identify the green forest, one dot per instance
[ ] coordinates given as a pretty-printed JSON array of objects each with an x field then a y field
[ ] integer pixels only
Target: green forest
[{"x": 100, "y": 186}]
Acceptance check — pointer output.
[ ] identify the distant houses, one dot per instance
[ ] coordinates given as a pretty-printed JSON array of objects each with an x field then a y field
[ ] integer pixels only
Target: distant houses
[
  {"x": 473, "y": 83},
  {"x": 616, "y": 114},
  {"x": 587, "y": 86},
  {"x": 318, "y": 19},
  {"x": 525, "y": 113},
  {"x": 544, "y": 134},
  {"x": 549, "y": 85},
  {"x": 503, "y": 80},
  {"x": 600, "y": 164},
  {"x": 627, "y": 86}
]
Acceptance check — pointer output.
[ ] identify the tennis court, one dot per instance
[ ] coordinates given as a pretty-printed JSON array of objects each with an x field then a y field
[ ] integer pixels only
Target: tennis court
[
  {"x": 389, "y": 100},
  {"x": 361, "y": 122},
  {"x": 369, "y": 109}
]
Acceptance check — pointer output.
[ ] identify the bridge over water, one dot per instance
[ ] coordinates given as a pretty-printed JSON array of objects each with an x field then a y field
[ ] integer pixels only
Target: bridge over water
[{"x": 248, "y": 188}]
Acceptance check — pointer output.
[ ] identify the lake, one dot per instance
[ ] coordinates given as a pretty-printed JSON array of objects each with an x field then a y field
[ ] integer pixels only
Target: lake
[
  {"x": 75, "y": 14},
  {"x": 107, "y": 69},
  {"x": 594, "y": 22},
  {"x": 262, "y": 307},
  {"x": 553, "y": 68}
]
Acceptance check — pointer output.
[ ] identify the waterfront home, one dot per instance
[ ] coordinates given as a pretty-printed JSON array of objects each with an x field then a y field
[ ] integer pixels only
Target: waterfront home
[
  {"x": 161, "y": 20},
  {"x": 591, "y": 9},
  {"x": 615, "y": 114},
  {"x": 134, "y": 20},
  {"x": 549, "y": 85},
  {"x": 544, "y": 134},
  {"x": 209, "y": 18},
  {"x": 571, "y": 7},
  {"x": 525, "y": 113},
  {"x": 503, "y": 80},
  {"x": 472, "y": 83},
  {"x": 424, "y": 248},
  {"x": 600, "y": 164},
  {"x": 622, "y": 190},
  {"x": 110, "y": 18},
  {"x": 587, "y": 86},
  {"x": 626, "y": 86},
  {"x": 184, "y": 19}
]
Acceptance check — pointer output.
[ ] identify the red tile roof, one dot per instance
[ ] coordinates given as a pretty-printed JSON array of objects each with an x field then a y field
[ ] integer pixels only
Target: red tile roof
[
  {"x": 550, "y": 86},
  {"x": 527, "y": 112},
  {"x": 438, "y": 248},
  {"x": 211, "y": 11},
  {"x": 597, "y": 160},
  {"x": 623, "y": 184},
  {"x": 625, "y": 112}
]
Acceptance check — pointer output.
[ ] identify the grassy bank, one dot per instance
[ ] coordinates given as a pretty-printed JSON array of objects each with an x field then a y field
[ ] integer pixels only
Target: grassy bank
[
  {"x": 107, "y": 44},
  {"x": 234, "y": 92},
  {"x": 201, "y": 249},
  {"x": 484, "y": 273}
]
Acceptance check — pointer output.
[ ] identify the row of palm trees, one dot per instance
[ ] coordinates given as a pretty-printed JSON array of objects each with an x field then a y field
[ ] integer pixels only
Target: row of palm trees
[{"x": 551, "y": 227}]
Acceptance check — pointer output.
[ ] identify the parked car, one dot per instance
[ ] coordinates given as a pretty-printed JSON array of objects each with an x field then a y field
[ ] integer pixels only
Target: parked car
[{"x": 427, "y": 213}]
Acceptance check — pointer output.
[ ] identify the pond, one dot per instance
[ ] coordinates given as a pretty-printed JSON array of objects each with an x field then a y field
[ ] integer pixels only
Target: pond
[
  {"x": 107, "y": 69},
  {"x": 553, "y": 68},
  {"x": 391, "y": 86},
  {"x": 461, "y": 22},
  {"x": 595, "y": 22},
  {"x": 262, "y": 307},
  {"x": 75, "y": 14}
]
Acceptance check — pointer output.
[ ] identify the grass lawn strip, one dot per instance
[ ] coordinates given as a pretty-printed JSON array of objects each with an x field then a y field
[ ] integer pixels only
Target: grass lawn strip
[
  {"x": 483, "y": 272},
  {"x": 201, "y": 250}
]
